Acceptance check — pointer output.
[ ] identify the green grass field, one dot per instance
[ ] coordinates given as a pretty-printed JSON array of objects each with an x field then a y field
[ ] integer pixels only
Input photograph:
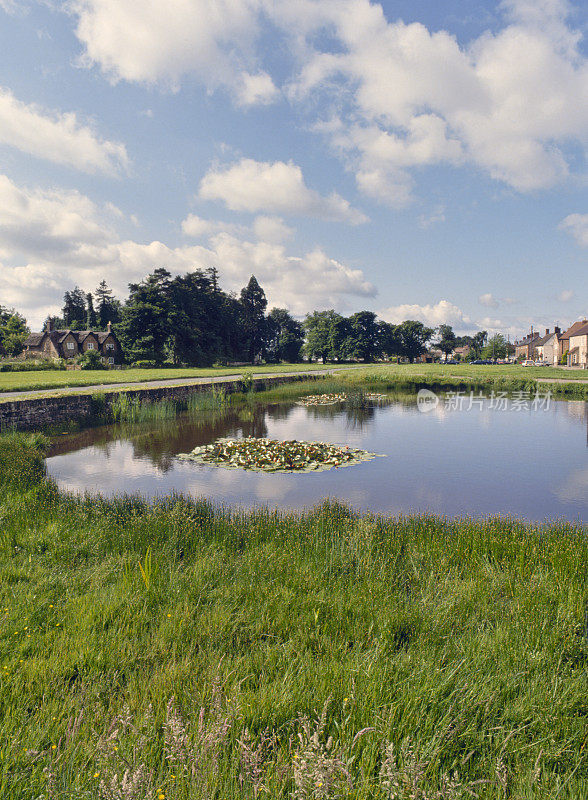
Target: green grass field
[
  {"x": 57, "y": 379},
  {"x": 572, "y": 384},
  {"x": 25, "y": 381},
  {"x": 183, "y": 652}
]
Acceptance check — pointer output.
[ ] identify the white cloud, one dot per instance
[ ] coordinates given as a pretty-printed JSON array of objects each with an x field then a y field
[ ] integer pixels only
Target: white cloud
[
  {"x": 211, "y": 39},
  {"x": 256, "y": 90},
  {"x": 277, "y": 187},
  {"x": 442, "y": 312},
  {"x": 52, "y": 240},
  {"x": 488, "y": 300},
  {"x": 198, "y": 228},
  {"x": 57, "y": 137},
  {"x": 9, "y": 6},
  {"x": 565, "y": 296},
  {"x": 408, "y": 97},
  {"x": 299, "y": 283},
  {"x": 272, "y": 229},
  {"x": 400, "y": 97},
  {"x": 577, "y": 225}
]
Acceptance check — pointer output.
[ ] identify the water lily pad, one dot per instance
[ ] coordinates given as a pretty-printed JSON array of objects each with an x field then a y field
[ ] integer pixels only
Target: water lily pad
[{"x": 272, "y": 455}]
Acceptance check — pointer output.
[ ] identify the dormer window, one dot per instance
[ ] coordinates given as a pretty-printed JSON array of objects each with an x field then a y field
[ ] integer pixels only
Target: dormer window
[
  {"x": 71, "y": 345},
  {"x": 91, "y": 346}
]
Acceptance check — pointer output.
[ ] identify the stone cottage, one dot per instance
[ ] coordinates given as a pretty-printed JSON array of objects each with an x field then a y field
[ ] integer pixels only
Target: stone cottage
[{"x": 68, "y": 344}]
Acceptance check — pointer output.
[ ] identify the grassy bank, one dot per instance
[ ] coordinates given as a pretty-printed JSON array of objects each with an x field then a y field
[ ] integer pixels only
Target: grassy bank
[
  {"x": 182, "y": 651},
  {"x": 401, "y": 377},
  {"x": 58, "y": 379},
  {"x": 570, "y": 384}
]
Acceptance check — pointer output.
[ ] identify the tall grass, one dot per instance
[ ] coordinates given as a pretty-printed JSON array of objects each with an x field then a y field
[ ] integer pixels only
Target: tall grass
[
  {"x": 189, "y": 651},
  {"x": 213, "y": 400},
  {"x": 126, "y": 408}
]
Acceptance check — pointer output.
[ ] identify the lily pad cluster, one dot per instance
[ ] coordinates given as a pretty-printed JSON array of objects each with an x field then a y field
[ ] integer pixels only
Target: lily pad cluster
[
  {"x": 271, "y": 455},
  {"x": 322, "y": 399},
  {"x": 332, "y": 399}
]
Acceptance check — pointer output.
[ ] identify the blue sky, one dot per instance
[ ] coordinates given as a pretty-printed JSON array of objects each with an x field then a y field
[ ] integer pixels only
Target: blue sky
[{"x": 423, "y": 160}]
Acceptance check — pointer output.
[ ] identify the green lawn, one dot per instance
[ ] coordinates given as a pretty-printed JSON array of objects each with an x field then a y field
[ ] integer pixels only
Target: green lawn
[
  {"x": 23, "y": 381},
  {"x": 477, "y": 371},
  {"x": 201, "y": 654},
  {"x": 56, "y": 379}
]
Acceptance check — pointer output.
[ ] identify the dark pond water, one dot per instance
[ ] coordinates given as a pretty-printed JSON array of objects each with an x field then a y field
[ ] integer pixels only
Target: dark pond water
[{"x": 526, "y": 463}]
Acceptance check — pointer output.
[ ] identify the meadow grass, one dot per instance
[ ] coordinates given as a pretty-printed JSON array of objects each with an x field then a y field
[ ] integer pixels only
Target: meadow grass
[
  {"x": 56, "y": 379},
  {"x": 571, "y": 384},
  {"x": 177, "y": 650},
  {"x": 409, "y": 374}
]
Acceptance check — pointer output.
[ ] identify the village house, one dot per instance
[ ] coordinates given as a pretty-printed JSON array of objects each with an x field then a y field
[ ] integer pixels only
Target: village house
[
  {"x": 461, "y": 353},
  {"x": 69, "y": 344},
  {"x": 547, "y": 348},
  {"x": 525, "y": 349},
  {"x": 565, "y": 338},
  {"x": 578, "y": 351}
]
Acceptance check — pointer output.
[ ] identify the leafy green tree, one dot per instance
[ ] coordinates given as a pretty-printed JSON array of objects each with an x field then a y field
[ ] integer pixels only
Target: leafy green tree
[
  {"x": 285, "y": 336},
  {"x": 13, "y": 332},
  {"x": 74, "y": 309},
  {"x": 479, "y": 340},
  {"x": 196, "y": 319},
  {"x": 108, "y": 308},
  {"x": 90, "y": 313},
  {"x": 340, "y": 338},
  {"x": 145, "y": 326},
  {"x": 318, "y": 334},
  {"x": 496, "y": 347},
  {"x": 254, "y": 303},
  {"x": 390, "y": 341},
  {"x": 365, "y": 336},
  {"x": 414, "y": 337},
  {"x": 57, "y": 323},
  {"x": 447, "y": 339}
]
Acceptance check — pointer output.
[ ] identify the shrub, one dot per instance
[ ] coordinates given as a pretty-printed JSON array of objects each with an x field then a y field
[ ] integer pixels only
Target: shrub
[
  {"x": 91, "y": 360},
  {"x": 144, "y": 364}
]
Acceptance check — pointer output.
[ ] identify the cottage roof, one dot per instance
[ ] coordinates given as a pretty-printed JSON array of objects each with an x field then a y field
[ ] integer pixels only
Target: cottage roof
[
  {"x": 529, "y": 339},
  {"x": 59, "y": 336},
  {"x": 583, "y": 331},
  {"x": 572, "y": 330},
  {"x": 34, "y": 339}
]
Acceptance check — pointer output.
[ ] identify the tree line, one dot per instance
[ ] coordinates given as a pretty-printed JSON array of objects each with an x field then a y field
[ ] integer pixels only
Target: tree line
[{"x": 189, "y": 319}]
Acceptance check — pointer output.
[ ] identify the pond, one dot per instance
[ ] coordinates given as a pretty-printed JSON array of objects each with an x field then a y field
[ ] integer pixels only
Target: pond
[{"x": 484, "y": 460}]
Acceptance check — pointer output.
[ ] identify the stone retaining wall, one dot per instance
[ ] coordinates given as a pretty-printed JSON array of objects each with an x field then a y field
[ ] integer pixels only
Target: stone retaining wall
[{"x": 45, "y": 412}]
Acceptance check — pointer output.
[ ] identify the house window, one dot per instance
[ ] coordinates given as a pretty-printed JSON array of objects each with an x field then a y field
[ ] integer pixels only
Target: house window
[
  {"x": 90, "y": 345},
  {"x": 110, "y": 346},
  {"x": 111, "y": 360},
  {"x": 71, "y": 345}
]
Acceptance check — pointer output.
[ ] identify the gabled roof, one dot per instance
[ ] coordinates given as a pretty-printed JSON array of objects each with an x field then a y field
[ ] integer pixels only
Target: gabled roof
[
  {"x": 583, "y": 331},
  {"x": 542, "y": 340},
  {"x": 529, "y": 339},
  {"x": 59, "y": 336},
  {"x": 34, "y": 339},
  {"x": 571, "y": 331}
]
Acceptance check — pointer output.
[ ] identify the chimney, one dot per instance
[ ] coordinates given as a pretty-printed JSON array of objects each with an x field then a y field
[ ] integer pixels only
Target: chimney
[
  {"x": 109, "y": 327},
  {"x": 49, "y": 324},
  {"x": 547, "y": 331},
  {"x": 557, "y": 329}
]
